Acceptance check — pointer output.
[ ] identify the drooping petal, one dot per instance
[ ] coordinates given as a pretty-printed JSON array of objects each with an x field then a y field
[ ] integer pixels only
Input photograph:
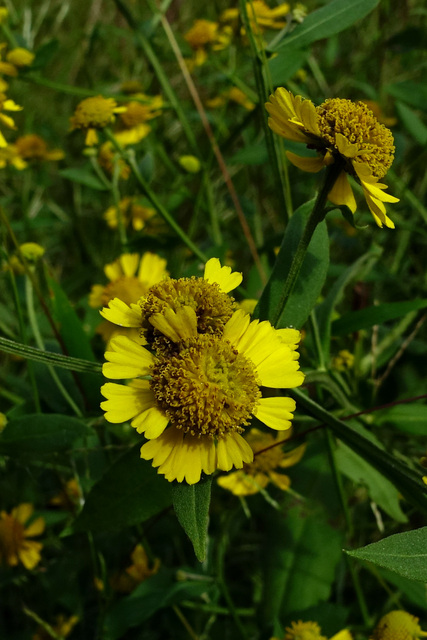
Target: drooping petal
[
  {"x": 36, "y": 528},
  {"x": 119, "y": 313},
  {"x": 345, "y": 147},
  {"x": 223, "y": 276},
  {"x": 276, "y": 413},
  {"x": 126, "y": 402},
  {"x": 151, "y": 422},
  {"x": 292, "y": 457},
  {"x": 342, "y": 193},
  {"x": 152, "y": 269},
  {"x": 23, "y": 512},
  {"x": 177, "y": 325},
  {"x": 311, "y": 165},
  {"x": 126, "y": 359},
  {"x": 243, "y": 484},
  {"x": 280, "y": 480}
]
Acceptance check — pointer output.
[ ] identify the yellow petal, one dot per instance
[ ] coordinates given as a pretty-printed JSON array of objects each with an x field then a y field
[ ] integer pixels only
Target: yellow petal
[
  {"x": 10, "y": 105},
  {"x": 152, "y": 269},
  {"x": 342, "y": 193},
  {"x": 342, "y": 635},
  {"x": 95, "y": 296},
  {"x": 126, "y": 359},
  {"x": 91, "y": 137},
  {"x": 177, "y": 325},
  {"x": 223, "y": 276},
  {"x": 29, "y": 554},
  {"x": 345, "y": 147},
  {"x": 292, "y": 457},
  {"x": 276, "y": 413},
  {"x": 280, "y": 480},
  {"x": 233, "y": 451},
  {"x": 23, "y": 512},
  {"x": 151, "y": 423},
  {"x": 129, "y": 263},
  {"x": 311, "y": 165},
  {"x": 126, "y": 402},
  {"x": 118, "y": 312},
  {"x": 36, "y": 528},
  {"x": 243, "y": 484}
]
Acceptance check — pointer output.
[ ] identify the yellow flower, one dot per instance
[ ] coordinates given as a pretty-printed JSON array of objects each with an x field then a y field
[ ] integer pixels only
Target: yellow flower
[
  {"x": 257, "y": 474},
  {"x": 138, "y": 572},
  {"x": 14, "y": 544},
  {"x": 7, "y": 68},
  {"x": 133, "y": 121},
  {"x": 70, "y": 496},
  {"x": 193, "y": 403},
  {"x": 92, "y": 114},
  {"x": 62, "y": 628},
  {"x": 32, "y": 251},
  {"x": 7, "y": 105},
  {"x": 130, "y": 277},
  {"x": 33, "y": 147},
  {"x": 130, "y": 211},
  {"x": 202, "y": 32},
  {"x": 190, "y": 163},
  {"x": 10, "y": 156},
  {"x": 206, "y": 296},
  {"x": 311, "y": 631},
  {"x": 107, "y": 158},
  {"x": 343, "y": 361},
  {"x": 398, "y": 625},
  {"x": 20, "y": 57},
  {"x": 260, "y": 16},
  {"x": 341, "y": 131}
]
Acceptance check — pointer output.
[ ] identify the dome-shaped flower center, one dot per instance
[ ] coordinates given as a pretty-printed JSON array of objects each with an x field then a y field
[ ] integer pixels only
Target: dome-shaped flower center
[
  {"x": 94, "y": 112},
  {"x": 213, "y": 307},
  {"x": 129, "y": 289},
  {"x": 137, "y": 113},
  {"x": 207, "y": 389},
  {"x": 356, "y": 122},
  {"x": 31, "y": 146},
  {"x": 397, "y": 625}
]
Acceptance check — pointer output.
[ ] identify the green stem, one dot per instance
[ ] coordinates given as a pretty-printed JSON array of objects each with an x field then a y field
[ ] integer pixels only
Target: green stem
[
  {"x": 161, "y": 75},
  {"x": 359, "y": 593},
  {"x": 216, "y": 231},
  {"x": 48, "y": 357},
  {"x": 39, "y": 340},
  {"x": 316, "y": 216},
  {"x": 129, "y": 157}
]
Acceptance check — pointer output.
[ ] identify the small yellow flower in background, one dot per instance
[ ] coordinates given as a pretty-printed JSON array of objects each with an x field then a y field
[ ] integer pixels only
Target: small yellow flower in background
[
  {"x": 20, "y": 57},
  {"x": 299, "y": 12},
  {"x": 398, "y": 625},
  {"x": 131, "y": 212},
  {"x": 92, "y": 114},
  {"x": 311, "y": 631},
  {"x": 3, "y": 421},
  {"x": 62, "y": 628},
  {"x": 341, "y": 131},
  {"x": 190, "y": 163},
  {"x": 263, "y": 470},
  {"x": 130, "y": 277},
  {"x": 32, "y": 251},
  {"x": 7, "y": 68},
  {"x": 14, "y": 544},
  {"x": 70, "y": 496},
  {"x": 376, "y": 109},
  {"x": 133, "y": 121},
  {"x": 4, "y": 15},
  {"x": 7, "y": 105},
  {"x": 10, "y": 156},
  {"x": 260, "y": 15},
  {"x": 107, "y": 158},
  {"x": 33, "y": 147},
  {"x": 206, "y": 33},
  {"x": 343, "y": 361},
  {"x": 139, "y": 571},
  {"x": 234, "y": 95},
  {"x": 205, "y": 376}
]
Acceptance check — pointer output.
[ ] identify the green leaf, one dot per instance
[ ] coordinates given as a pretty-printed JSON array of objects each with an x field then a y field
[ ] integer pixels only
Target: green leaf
[
  {"x": 412, "y": 123},
  {"x": 367, "y": 318},
  {"x": 414, "y": 592},
  {"x": 129, "y": 492},
  {"x": 403, "y": 477},
  {"x": 75, "y": 339},
  {"x": 413, "y": 93},
  {"x": 325, "y": 310},
  {"x": 405, "y": 553},
  {"x": 334, "y": 17},
  {"x": 41, "y": 434},
  {"x": 311, "y": 277},
  {"x": 410, "y": 418},
  {"x": 85, "y": 176},
  {"x": 299, "y": 573},
  {"x": 285, "y": 65},
  {"x": 191, "y": 504},
  {"x": 381, "y": 490},
  {"x": 156, "y": 593}
]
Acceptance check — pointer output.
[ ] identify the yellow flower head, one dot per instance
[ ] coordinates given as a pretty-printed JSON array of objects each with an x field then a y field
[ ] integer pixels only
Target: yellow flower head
[
  {"x": 202, "y": 32},
  {"x": 33, "y": 147},
  {"x": 32, "y": 251},
  {"x": 193, "y": 397},
  {"x": 190, "y": 164},
  {"x": 130, "y": 277},
  {"x": 15, "y": 546},
  {"x": 139, "y": 571},
  {"x": 10, "y": 156},
  {"x": 62, "y": 628},
  {"x": 7, "y": 105},
  {"x": 398, "y": 625},
  {"x": 268, "y": 457},
  {"x": 207, "y": 296},
  {"x": 340, "y": 131},
  {"x": 107, "y": 158},
  {"x": 343, "y": 361},
  {"x": 262, "y": 17},
  {"x": 141, "y": 110},
  {"x": 130, "y": 211},
  {"x": 94, "y": 113},
  {"x": 20, "y": 57}
]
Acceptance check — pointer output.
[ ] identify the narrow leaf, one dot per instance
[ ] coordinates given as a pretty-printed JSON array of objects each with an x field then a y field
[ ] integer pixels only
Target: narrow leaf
[
  {"x": 334, "y": 17},
  {"x": 405, "y": 553},
  {"x": 84, "y": 176},
  {"x": 191, "y": 504}
]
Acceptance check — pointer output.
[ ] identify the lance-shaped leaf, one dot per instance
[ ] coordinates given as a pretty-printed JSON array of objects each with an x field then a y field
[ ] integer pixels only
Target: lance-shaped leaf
[{"x": 191, "y": 504}]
